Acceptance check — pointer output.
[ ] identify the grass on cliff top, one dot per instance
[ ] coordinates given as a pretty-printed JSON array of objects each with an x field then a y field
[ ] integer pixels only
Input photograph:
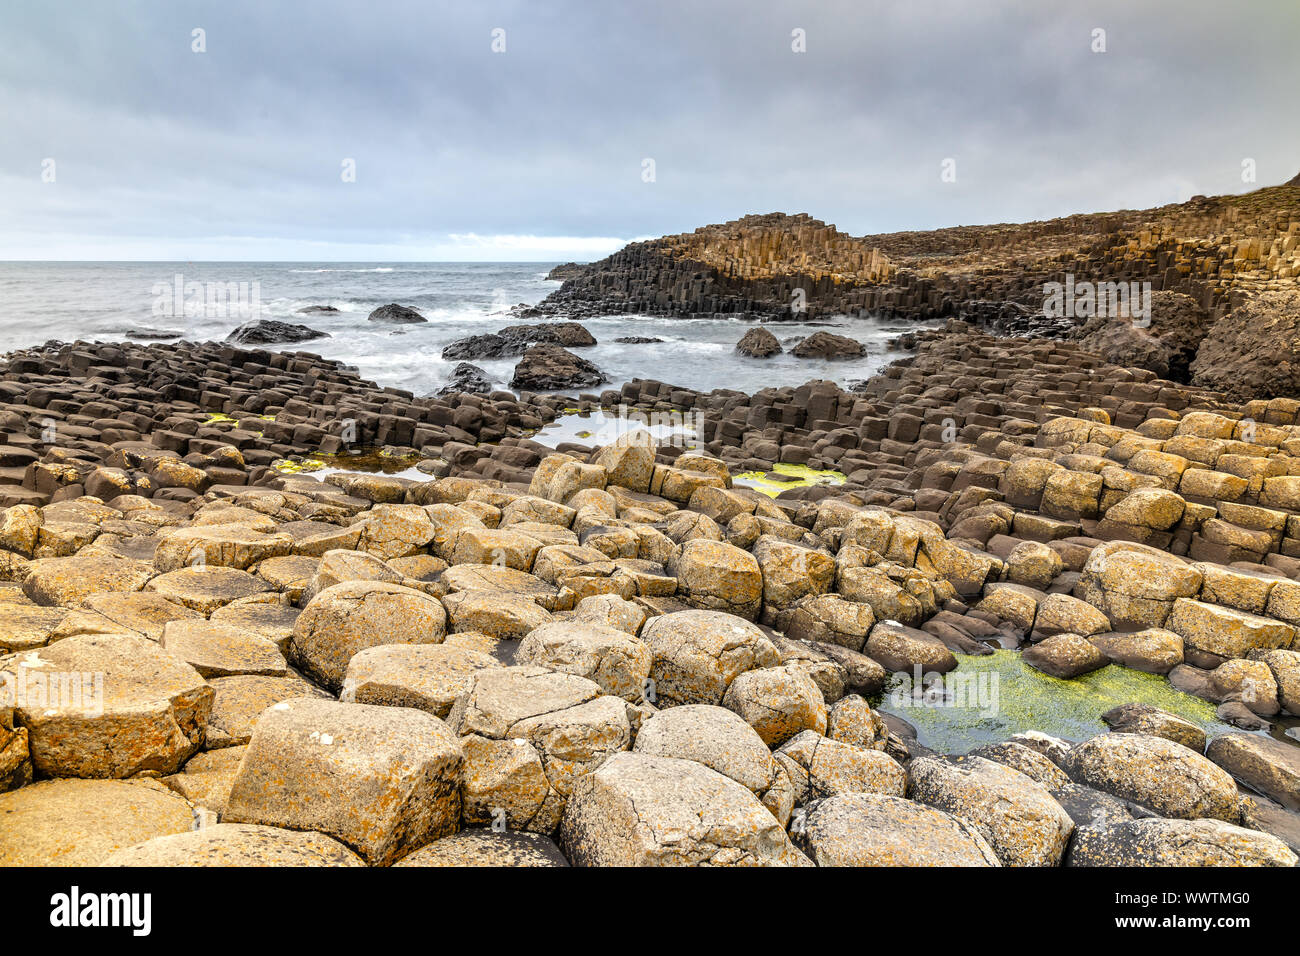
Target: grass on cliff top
[
  {"x": 989, "y": 698},
  {"x": 802, "y": 473}
]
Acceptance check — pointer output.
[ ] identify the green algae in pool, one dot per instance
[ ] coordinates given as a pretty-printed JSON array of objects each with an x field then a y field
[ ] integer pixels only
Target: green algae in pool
[
  {"x": 377, "y": 462},
  {"x": 991, "y": 697},
  {"x": 802, "y": 475}
]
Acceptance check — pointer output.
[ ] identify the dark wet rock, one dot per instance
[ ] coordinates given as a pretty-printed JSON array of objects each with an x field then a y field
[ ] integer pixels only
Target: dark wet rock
[
  {"x": 827, "y": 345},
  {"x": 516, "y": 339},
  {"x": 467, "y": 378},
  {"x": 1165, "y": 342},
  {"x": 545, "y": 368},
  {"x": 1229, "y": 357},
  {"x": 273, "y": 332},
  {"x": 309, "y": 310},
  {"x": 638, "y": 340},
  {"x": 395, "y": 314},
  {"x": 569, "y": 270},
  {"x": 758, "y": 343},
  {"x": 153, "y": 335}
]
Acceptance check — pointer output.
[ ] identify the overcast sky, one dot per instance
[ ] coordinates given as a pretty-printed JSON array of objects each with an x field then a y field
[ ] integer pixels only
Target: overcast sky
[{"x": 539, "y": 152}]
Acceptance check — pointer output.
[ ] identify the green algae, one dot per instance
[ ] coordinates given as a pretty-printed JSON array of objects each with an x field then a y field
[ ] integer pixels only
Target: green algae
[
  {"x": 288, "y": 467},
  {"x": 216, "y": 417},
  {"x": 374, "y": 461},
  {"x": 803, "y": 475},
  {"x": 991, "y": 697}
]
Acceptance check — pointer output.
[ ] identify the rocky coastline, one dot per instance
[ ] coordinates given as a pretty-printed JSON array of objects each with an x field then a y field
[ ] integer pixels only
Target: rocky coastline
[
  {"x": 620, "y": 655},
  {"x": 459, "y": 645}
]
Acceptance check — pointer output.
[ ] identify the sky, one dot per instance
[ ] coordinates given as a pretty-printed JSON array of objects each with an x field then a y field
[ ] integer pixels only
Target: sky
[{"x": 530, "y": 131}]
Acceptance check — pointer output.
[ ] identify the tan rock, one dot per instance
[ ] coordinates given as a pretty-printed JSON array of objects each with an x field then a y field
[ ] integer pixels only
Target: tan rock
[
  {"x": 1225, "y": 631},
  {"x": 204, "y": 589},
  {"x": 348, "y": 617},
  {"x": 1157, "y": 842},
  {"x": 241, "y": 700},
  {"x": 615, "y": 660},
  {"x": 83, "y": 822},
  {"x": 225, "y": 546},
  {"x": 382, "y": 780},
  {"x": 487, "y": 848},
  {"x": 821, "y": 767},
  {"x": 497, "y": 614},
  {"x": 1019, "y": 818},
  {"x": 874, "y": 829},
  {"x": 645, "y": 810},
  {"x": 237, "y": 844},
  {"x": 67, "y": 582},
  {"x": 1153, "y": 650},
  {"x": 107, "y": 706},
  {"x": 720, "y": 577},
  {"x": 1167, "y": 777},
  {"x": 697, "y": 654},
  {"x": 778, "y": 702}
]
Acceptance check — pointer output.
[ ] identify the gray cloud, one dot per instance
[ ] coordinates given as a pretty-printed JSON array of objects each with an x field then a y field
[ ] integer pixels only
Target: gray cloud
[{"x": 236, "y": 152}]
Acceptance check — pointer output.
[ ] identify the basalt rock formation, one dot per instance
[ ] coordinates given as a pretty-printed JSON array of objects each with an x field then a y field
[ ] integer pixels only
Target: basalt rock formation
[
  {"x": 594, "y": 644},
  {"x": 515, "y": 340},
  {"x": 395, "y": 314},
  {"x": 272, "y": 332},
  {"x": 1202, "y": 259}
]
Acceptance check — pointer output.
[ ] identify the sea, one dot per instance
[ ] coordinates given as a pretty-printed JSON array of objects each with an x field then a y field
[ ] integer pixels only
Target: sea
[{"x": 201, "y": 301}]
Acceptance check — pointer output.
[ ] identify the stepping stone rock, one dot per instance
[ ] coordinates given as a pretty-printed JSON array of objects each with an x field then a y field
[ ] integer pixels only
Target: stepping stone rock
[
  {"x": 219, "y": 650},
  {"x": 720, "y": 577},
  {"x": 1065, "y": 656},
  {"x": 721, "y": 741},
  {"x": 1267, "y": 766},
  {"x": 495, "y": 613},
  {"x": 428, "y": 677},
  {"x": 222, "y": 546},
  {"x": 488, "y": 848},
  {"x": 204, "y": 589},
  {"x": 644, "y": 810},
  {"x": 899, "y": 648},
  {"x": 109, "y": 705},
  {"x": 67, "y": 582},
  {"x": 1154, "y": 650},
  {"x": 237, "y": 844},
  {"x": 697, "y": 654},
  {"x": 347, "y": 618},
  {"x": 382, "y": 780},
  {"x": 1018, "y": 816},
  {"x": 1226, "y": 631},
  {"x": 1029, "y": 762},
  {"x": 83, "y": 822},
  {"x": 873, "y": 829},
  {"x": 821, "y": 767},
  {"x": 142, "y": 612},
  {"x": 778, "y": 702},
  {"x": 1158, "y": 842},
  {"x": 615, "y": 660},
  {"x": 1145, "y": 719},
  {"x": 1164, "y": 776},
  {"x": 528, "y": 734},
  {"x": 241, "y": 700}
]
